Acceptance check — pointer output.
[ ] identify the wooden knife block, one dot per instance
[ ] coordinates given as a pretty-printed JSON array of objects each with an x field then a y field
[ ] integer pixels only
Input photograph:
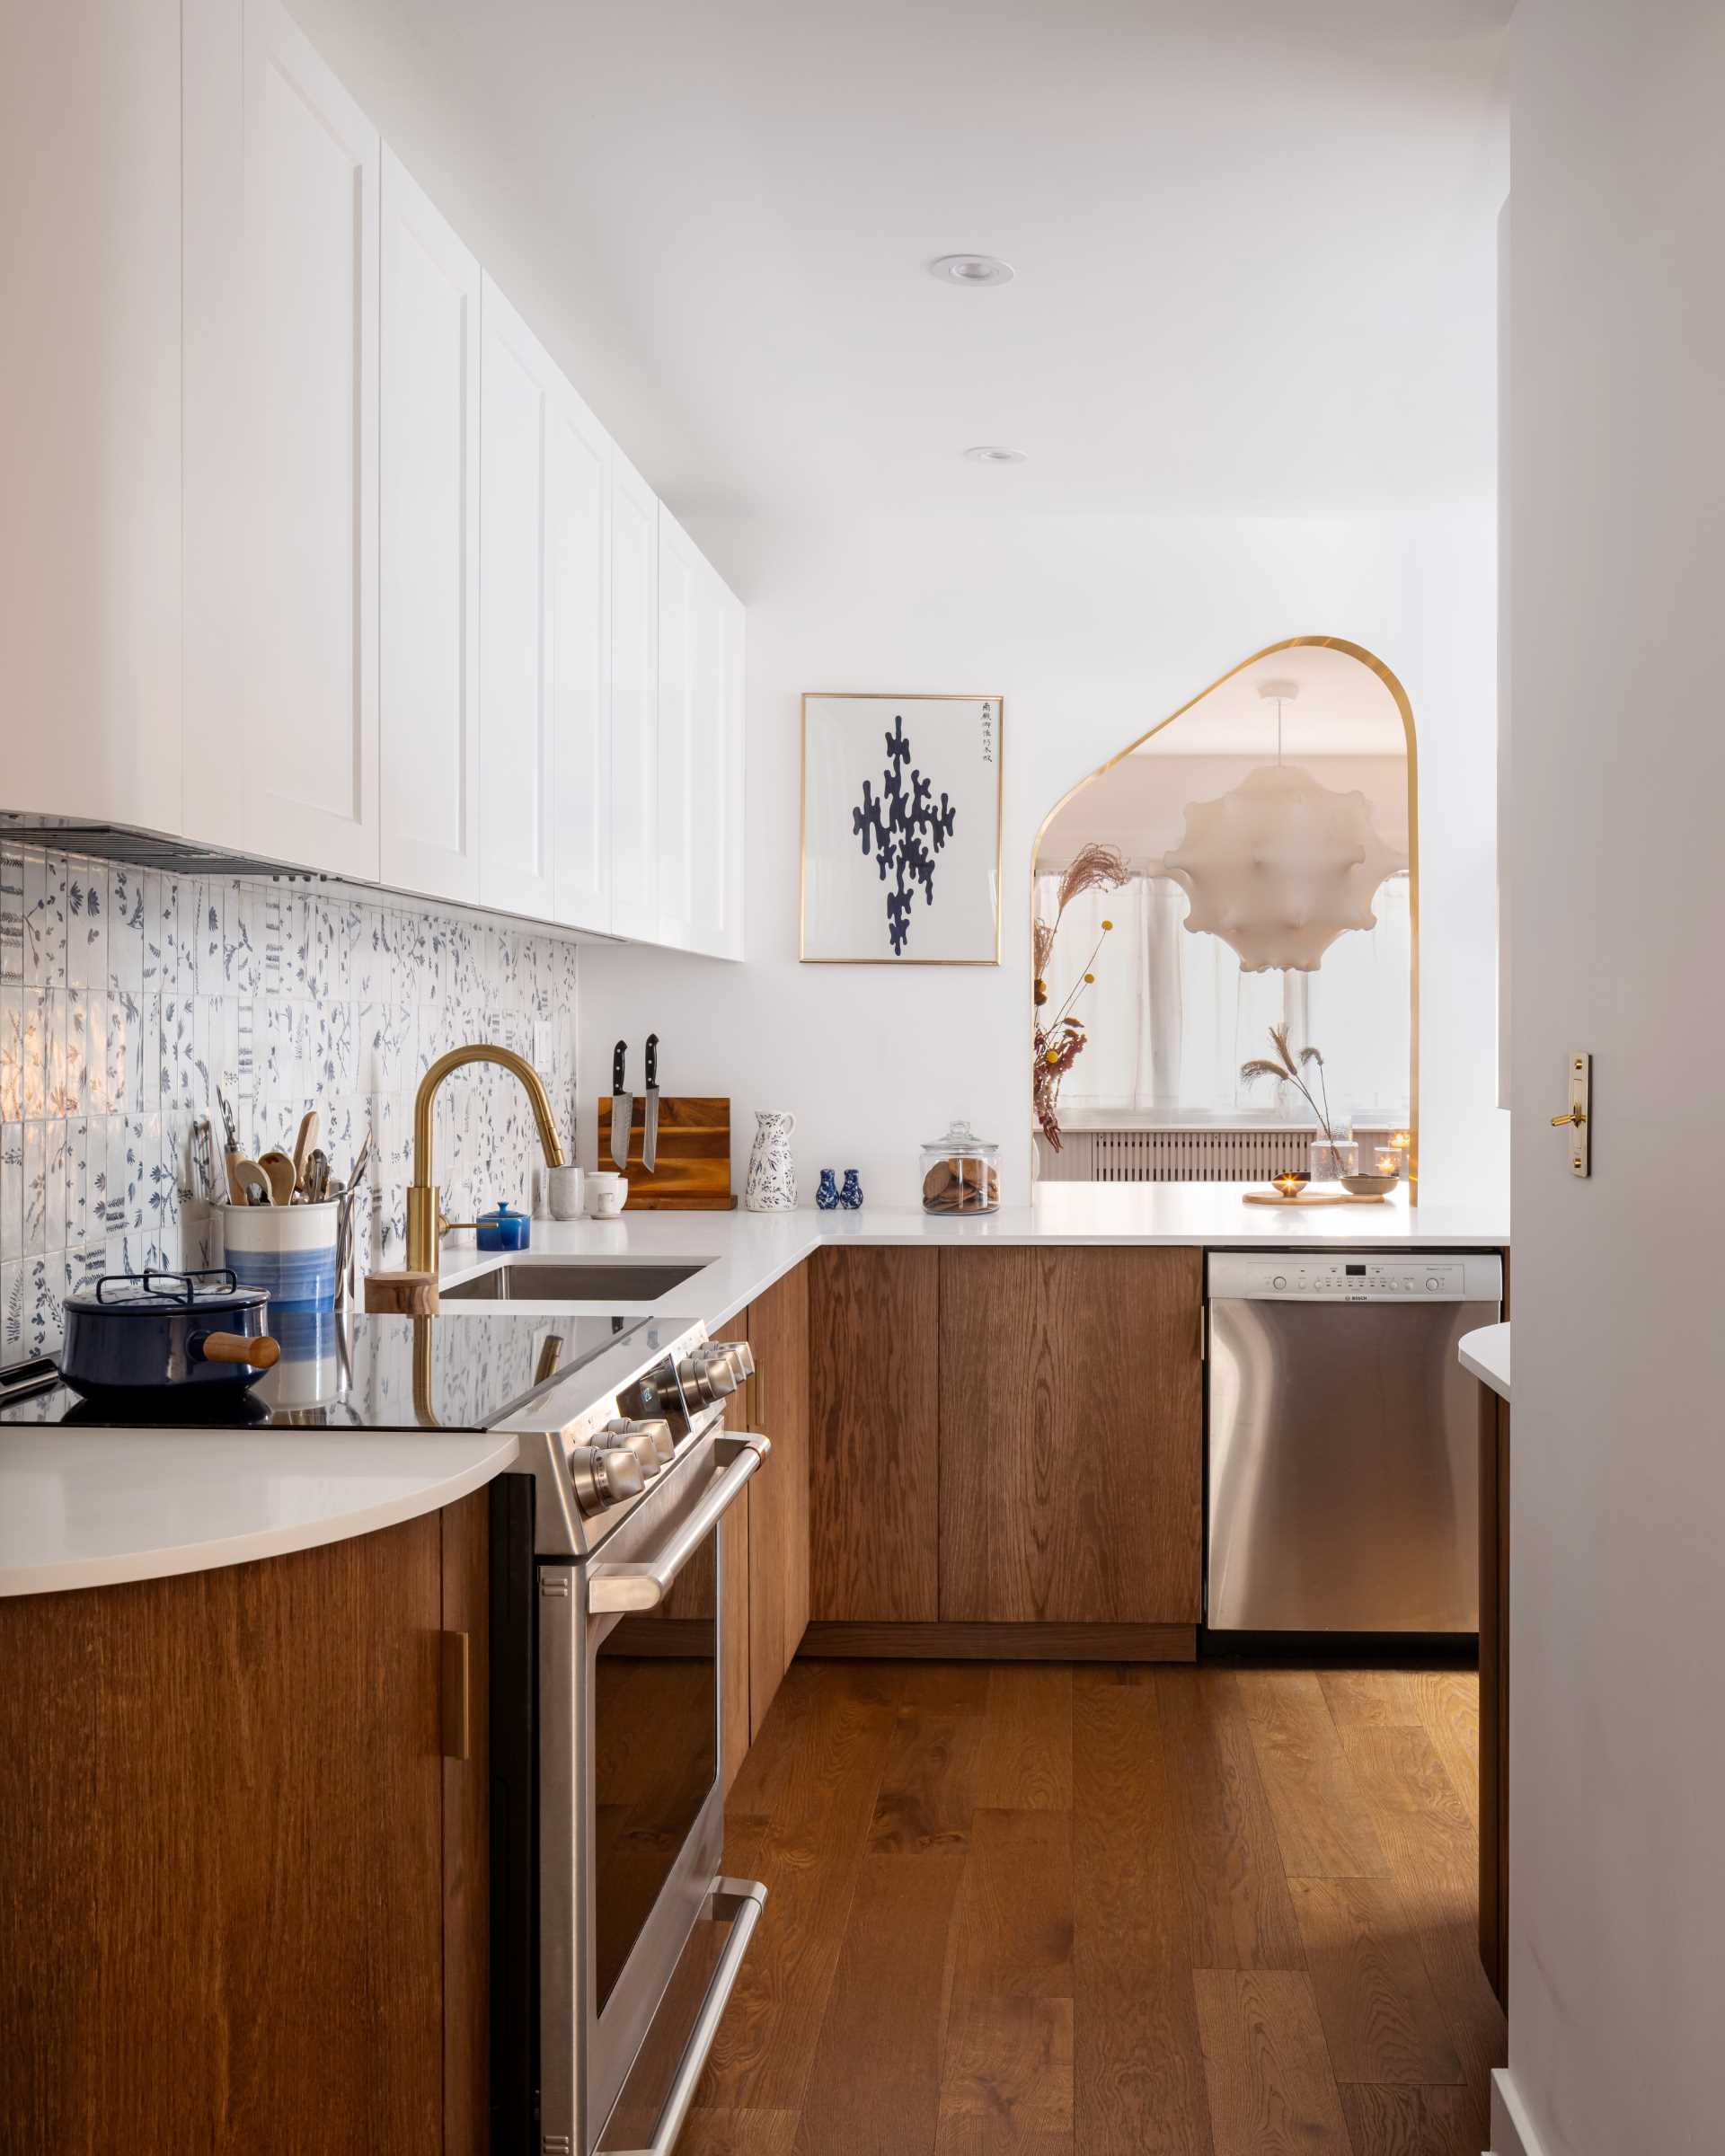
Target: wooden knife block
[{"x": 693, "y": 1171}]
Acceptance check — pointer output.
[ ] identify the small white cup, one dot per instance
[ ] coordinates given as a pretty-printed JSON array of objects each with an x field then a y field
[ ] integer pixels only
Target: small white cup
[
  {"x": 563, "y": 1193},
  {"x": 605, "y": 1192}
]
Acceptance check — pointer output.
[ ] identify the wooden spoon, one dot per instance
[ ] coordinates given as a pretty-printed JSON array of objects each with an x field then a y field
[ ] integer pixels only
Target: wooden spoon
[{"x": 279, "y": 1168}]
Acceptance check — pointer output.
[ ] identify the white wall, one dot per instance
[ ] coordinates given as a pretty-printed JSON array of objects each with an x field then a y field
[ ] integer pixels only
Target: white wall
[
  {"x": 1618, "y": 465},
  {"x": 1091, "y": 629}
]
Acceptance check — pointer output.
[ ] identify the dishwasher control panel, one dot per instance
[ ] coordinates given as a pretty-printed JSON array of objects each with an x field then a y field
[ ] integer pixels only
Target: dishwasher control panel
[{"x": 1355, "y": 1276}]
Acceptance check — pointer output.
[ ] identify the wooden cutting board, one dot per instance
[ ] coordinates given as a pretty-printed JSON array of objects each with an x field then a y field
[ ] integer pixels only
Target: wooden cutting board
[
  {"x": 693, "y": 1171},
  {"x": 1318, "y": 1197}
]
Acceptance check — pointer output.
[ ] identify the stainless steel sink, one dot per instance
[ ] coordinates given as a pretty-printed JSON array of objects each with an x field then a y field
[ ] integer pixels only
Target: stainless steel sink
[{"x": 574, "y": 1280}]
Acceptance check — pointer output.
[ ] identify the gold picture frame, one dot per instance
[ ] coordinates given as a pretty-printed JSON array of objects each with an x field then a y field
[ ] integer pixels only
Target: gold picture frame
[{"x": 909, "y": 697}]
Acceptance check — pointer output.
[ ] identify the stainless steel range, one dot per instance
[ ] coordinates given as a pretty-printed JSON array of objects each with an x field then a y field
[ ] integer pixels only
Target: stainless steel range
[{"x": 608, "y": 1646}]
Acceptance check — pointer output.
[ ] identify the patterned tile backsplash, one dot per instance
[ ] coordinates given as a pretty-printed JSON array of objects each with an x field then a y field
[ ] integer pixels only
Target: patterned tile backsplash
[{"x": 126, "y": 997}]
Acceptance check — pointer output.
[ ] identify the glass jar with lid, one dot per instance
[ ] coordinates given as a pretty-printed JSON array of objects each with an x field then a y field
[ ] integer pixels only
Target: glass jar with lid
[{"x": 960, "y": 1174}]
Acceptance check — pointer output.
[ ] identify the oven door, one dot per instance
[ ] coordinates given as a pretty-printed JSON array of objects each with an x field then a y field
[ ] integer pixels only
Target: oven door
[{"x": 632, "y": 1805}]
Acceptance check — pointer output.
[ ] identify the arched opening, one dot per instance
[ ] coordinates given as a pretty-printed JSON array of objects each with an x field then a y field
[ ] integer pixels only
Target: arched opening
[{"x": 1255, "y": 857}]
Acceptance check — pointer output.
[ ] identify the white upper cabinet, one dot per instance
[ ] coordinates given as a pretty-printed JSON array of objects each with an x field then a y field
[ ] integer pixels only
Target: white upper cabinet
[
  {"x": 312, "y": 171},
  {"x": 518, "y": 395},
  {"x": 578, "y": 668},
  {"x": 634, "y": 702},
  {"x": 700, "y": 751},
  {"x": 428, "y": 569}
]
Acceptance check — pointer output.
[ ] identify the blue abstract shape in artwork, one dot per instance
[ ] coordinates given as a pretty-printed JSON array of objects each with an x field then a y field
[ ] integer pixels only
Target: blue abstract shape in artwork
[{"x": 906, "y": 830}]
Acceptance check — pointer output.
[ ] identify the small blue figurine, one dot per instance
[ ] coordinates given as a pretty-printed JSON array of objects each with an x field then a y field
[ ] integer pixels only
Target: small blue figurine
[
  {"x": 850, "y": 1196},
  {"x": 826, "y": 1193}
]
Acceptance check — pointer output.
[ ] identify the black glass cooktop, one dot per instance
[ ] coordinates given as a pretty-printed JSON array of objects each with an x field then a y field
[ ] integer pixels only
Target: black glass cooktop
[{"x": 464, "y": 1371}]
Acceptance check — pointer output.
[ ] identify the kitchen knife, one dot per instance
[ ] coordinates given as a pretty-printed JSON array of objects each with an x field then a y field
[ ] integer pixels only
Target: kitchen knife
[
  {"x": 650, "y": 1126},
  {"x": 622, "y": 1107}
]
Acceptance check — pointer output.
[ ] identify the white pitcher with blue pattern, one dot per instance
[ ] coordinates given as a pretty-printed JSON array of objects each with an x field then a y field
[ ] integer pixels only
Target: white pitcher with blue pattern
[{"x": 772, "y": 1182}]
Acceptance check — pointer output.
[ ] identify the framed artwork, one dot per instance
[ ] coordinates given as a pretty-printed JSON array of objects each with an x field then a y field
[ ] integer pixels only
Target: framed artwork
[{"x": 901, "y": 830}]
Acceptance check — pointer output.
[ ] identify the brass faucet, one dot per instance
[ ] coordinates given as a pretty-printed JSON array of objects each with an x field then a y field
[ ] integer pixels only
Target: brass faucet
[{"x": 426, "y": 1225}]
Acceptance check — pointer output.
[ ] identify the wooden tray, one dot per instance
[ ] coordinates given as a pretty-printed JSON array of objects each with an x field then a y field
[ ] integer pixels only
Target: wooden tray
[
  {"x": 693, "y": 1171},
  {"x": 1318, "y": 1197}
]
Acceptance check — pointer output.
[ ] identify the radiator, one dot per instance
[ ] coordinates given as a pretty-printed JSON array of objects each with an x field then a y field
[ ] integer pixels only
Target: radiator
[{"x": 1199, "y": 1153}]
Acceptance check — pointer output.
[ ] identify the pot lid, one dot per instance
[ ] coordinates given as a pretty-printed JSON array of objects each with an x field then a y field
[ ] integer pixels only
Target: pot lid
[{"x": 155, "y": 1294}]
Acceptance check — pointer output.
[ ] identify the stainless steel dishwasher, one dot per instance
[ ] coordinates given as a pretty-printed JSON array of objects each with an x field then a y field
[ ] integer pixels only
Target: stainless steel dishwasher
[{"x": 1343, "y": 1478}]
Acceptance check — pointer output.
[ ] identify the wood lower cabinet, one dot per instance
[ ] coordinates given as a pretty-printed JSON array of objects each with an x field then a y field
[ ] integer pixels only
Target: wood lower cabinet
[
  {"x": 874, "y": 1436},
  {"x": 778, "y": 1406},
  {"x": 243, "y": 1899},
  {"x": 1006, "y": 1451},
  {"x": 1071, "y": 1434},
  {"x": 735, "y": 1731}
]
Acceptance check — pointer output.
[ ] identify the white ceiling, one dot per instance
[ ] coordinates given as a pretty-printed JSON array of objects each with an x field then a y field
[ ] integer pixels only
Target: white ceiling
[
  {"x": 1343, "y": 710},
  {"x": 1255, "y": 239}
]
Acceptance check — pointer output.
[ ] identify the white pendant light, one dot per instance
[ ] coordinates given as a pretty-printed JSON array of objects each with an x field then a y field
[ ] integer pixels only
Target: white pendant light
[{"x": 1283, "y": 865}]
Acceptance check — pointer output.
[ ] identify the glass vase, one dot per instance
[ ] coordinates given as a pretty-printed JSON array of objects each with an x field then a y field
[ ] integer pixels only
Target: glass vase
[{"x": 1332, "y": 1158}]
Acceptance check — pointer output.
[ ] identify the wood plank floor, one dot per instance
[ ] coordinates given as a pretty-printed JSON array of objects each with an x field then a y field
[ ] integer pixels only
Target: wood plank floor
[{"x": 1042, "y": 1911}]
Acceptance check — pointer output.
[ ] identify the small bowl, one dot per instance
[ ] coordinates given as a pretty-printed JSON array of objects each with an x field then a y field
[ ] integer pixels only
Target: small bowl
[{"x": 1369, "y": 1186}]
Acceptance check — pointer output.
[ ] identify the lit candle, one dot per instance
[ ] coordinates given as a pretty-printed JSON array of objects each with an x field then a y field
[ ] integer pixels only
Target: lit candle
[
  {"x": 1402, "y": 1140},
  {"x": 1290, "y": 1186},
  {"x": 1386, "y": 1161}
]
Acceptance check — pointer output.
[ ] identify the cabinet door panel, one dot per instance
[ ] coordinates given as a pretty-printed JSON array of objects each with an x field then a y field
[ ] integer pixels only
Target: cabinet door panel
[
  {"x": 516, "y": 767},
  {"x": 577, "y": 658},
  {"x": 1071, "y": 1406},
  {"x": 700, "y": 750},
  {"x": 634, "y": 702},
  {"x": 311, "y": 175},
  {"x": 874, "y": 1440},
  {"x": 778, "y": 1605},
  {"x": 428, "y": 628}
]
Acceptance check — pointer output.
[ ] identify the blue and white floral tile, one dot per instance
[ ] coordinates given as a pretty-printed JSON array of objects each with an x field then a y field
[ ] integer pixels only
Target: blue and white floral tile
[
  {"x": 12, "y": 1052},
  {"x": 87, "y": 924},
  {"x": 44, "y": 920},
  {"x": 125, "y": 929},
  {"x": 12, "y": 912},
  {"x": 12, "y": 1186}
]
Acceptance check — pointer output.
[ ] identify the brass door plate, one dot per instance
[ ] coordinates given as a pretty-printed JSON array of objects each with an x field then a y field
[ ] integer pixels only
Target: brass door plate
[{"x": 1578, "y": 1122}]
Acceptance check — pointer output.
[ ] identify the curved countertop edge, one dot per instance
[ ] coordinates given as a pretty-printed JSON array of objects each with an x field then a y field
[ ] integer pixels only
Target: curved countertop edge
[
  {"x": 1485, "y": 1353},
  {"x": 477, "y": 1458}
]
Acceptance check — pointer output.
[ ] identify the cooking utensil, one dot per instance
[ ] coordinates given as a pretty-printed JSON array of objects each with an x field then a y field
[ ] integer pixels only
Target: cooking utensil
[
  {"x": 145, "y": 1334},
  {"x": 314, "y": 1177},
  {"x": 230, "y": 1129},
  {"x": 247, "y": 1184},
  {"x": 203, "y": 1161},
  {"x": 361, "y": 1160},
  {"x": 650, "y": 1126},
  {"x": 623, "y": 1106},
  {"x": 279, "y": 1167},
  {"x": 303, "y": 1143}
]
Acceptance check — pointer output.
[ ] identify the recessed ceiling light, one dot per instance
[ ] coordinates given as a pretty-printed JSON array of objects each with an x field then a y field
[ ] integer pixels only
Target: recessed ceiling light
[
  {"x": 972, "y": 270},
  {"x": 991, "y": 453}
]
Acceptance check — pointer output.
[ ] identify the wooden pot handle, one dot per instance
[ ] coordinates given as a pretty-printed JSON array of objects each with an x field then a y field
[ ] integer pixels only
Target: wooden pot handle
[{"x": 259, "y": 1352}]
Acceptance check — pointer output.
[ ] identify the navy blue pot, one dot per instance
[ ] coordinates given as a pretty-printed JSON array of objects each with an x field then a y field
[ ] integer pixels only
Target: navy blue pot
[{"x": 151, "y": 1332}]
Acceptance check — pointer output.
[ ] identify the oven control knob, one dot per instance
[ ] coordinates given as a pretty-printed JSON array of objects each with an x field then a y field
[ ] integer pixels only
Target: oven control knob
[
  {"x": 605, "y": 1475},
  {"x": 707, "y": 1375},
  {"x": 649, "y": 1440},
  {"x": 739, "y": 1354}
]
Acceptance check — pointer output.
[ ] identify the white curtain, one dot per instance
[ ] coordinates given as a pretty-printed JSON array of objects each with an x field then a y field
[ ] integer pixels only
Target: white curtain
[{"x": 1170, "y": 1017}]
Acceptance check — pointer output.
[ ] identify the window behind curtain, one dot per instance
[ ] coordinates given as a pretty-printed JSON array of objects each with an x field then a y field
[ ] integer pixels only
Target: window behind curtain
[{"x": 1171, "y": 1016}]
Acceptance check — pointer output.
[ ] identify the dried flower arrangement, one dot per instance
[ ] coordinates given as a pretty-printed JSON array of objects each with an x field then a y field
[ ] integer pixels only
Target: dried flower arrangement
[
  {"x": 1056, "y": 1042},
  {"x": 1289, "y": 1069}
]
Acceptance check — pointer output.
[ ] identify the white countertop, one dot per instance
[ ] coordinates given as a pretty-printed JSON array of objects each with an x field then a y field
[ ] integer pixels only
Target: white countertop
[
  {"x": 91, "y": 1508},
  {"x": 85, "y": 1508},
  {"x": 1486, "y": 1352}
]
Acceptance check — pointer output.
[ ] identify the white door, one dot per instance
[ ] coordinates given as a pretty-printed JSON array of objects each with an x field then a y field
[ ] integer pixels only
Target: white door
[
  {"x": 634, "y": 702},
  {"x": 309, "y": 770},
  {"x": 577, "y": 651},
  {"x": 518, "y": 385},
  {"x": 1616, "y": 465},
  {"x": 429, "y": 570}
]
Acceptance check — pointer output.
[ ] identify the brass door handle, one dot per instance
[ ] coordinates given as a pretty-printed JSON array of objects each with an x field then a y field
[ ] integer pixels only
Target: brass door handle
[{"x": 1578, "y": 1116}]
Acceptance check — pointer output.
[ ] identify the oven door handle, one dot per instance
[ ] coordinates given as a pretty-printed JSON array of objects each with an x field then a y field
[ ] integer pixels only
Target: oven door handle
[
  {"x": 644, "y": 1586},
  {"x": 737, "y": 1902}
]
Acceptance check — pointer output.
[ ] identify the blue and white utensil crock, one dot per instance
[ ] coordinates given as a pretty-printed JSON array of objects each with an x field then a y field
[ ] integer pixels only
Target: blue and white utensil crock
[
  {"x": 771, "y": 1186},
  {"x": 288, "y": 1251}
]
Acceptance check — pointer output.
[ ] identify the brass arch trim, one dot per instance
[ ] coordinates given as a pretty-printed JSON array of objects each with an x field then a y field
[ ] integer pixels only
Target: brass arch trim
[{"x": 1398, "y": 695}]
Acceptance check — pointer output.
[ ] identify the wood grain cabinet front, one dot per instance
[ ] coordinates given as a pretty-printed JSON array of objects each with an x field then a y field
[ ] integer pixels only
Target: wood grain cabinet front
[
  {"x": 1070, "y": 1435},
  {"x": 243, "y": 1899}
]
